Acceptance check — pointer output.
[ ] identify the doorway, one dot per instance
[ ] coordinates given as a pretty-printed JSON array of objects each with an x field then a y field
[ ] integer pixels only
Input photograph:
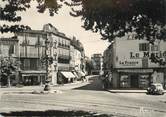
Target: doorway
[{"x": 134, "y": 81}]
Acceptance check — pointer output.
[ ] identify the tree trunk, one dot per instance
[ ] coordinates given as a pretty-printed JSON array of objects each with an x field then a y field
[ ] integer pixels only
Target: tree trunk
[{"x": 8, "y": 79}]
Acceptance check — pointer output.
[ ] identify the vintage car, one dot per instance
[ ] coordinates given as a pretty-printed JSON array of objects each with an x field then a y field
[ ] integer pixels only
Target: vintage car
[{"x": 155, "y": 88}]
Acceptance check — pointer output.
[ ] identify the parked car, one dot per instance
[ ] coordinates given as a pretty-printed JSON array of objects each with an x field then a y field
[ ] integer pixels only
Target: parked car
[{"x": 155, "y": 88}]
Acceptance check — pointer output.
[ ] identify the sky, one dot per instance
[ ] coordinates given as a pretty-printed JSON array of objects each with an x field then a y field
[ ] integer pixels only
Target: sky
[{"x": 67, "y": 24}]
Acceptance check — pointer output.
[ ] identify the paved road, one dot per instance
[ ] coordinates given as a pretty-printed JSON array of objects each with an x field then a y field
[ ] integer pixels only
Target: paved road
[{"x": 88, "y": 97}]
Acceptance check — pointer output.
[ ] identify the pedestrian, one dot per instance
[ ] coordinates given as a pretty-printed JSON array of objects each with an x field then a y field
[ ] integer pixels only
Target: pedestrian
[
  {"x": 106, "y": 81},
  {"x": 110, "y": 79}
]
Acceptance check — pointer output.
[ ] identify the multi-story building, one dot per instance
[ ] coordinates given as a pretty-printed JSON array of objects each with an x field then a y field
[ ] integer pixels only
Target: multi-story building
[
  {"x": 31, "y": 51},
  {"x": 97, "y": 61},
  {"x": 35, "y": 46},
  {"x": 107, "y": 60},
  {"x": 88, "y": 65},
  {"x": 64, "y": 72},
  {"x": 77, "y": 58},
  {"x": 9, "y": 50},
  {"x": 132, "y": 63}
]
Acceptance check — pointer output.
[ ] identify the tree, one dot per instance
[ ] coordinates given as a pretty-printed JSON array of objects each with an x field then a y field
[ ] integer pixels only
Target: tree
[
  {"x": 110, "y": 18},
  {"x": 7, "y": 68},
  {"x": 115, "y": 18},
  {"x": 10, "y": 8}
]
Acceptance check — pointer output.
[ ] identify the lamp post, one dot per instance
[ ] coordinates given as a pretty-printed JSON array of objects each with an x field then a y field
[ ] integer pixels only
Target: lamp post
[{"x": 47, "y": 85}]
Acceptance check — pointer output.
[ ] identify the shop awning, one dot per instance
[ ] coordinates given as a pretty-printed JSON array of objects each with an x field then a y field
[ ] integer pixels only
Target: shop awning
[
  {"x": 75, "y": 74},
  {"x": 68, "y": 74},
  {"x": 136, "y": 70},
  {"x": 80, "y": 73},
  {"x": 33, "y": 73}
]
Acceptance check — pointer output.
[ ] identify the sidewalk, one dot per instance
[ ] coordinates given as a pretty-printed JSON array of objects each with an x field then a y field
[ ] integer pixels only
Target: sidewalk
[
  {"x": 25, "y": 89},
  {"x": 127, "y": 91}
]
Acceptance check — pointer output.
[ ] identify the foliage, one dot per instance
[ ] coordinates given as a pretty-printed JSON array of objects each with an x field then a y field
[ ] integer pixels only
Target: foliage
[
  {"x": 115, "y": 18},
  {"x": 156, "y": 59},
  {"x": 9, "y": 12},
  {"x": 111, "y": 18},
  {"x": 7, "y": 67}
]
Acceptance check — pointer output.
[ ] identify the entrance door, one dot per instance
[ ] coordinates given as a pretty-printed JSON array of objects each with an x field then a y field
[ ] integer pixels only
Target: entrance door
[{"x": 134, "y": 81}]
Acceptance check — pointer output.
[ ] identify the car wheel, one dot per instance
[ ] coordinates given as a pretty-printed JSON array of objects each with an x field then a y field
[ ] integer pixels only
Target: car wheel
[{"x": 147, "y": 92}]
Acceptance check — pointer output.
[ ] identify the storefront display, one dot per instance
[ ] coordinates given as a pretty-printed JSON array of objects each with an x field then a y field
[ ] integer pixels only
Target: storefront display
[
  {"x": 124, "y": 81},
  {"x": 144, "y": 81}
]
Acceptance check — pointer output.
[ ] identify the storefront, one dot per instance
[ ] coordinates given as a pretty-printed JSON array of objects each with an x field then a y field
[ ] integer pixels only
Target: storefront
[
  {"x": 133, "y": 67},
  {"x": 29, "y": 78},
  {"x": 134, "y": 78}
]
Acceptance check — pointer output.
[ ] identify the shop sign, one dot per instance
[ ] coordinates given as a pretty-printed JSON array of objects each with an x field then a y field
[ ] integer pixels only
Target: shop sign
[
  {"x": 137, "y": 55},
  {"x": 128, "y": 63}
]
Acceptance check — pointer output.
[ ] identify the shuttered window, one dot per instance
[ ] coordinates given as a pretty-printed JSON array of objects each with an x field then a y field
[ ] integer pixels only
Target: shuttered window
[{"x": 144, "y": 47}]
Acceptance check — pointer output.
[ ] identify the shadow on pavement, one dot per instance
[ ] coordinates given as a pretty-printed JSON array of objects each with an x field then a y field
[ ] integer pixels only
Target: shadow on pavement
[
  {"x": 95, "y": 84},
  {"x": 55, "y": 113}
]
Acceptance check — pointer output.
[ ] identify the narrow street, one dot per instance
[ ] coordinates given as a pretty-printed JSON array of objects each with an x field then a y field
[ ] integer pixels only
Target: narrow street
[{"x": 87, "y": 97}]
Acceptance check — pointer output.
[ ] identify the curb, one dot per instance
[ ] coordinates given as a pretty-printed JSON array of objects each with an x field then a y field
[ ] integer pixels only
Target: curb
[
  {"x": 126, "y": 91},
  {"x": 129, "y": 91}
]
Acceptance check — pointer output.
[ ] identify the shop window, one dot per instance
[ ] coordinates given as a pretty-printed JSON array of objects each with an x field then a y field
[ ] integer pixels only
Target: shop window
[
  {"x": 124, "y": 81},
  {"x": 144, "y": 81},
  {"x": 144, "y": 47}
]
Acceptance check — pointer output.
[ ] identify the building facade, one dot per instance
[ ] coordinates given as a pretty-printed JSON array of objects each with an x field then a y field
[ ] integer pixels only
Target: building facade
[
  {"x": 31, "y": 51},
  {"x": 97, "y": 61},
  {"x": 132, "y": 63},
  {"x": 78, "y": 58},
  {"x": 46, "y": 48},
  {"x": 107, "y": 60}
]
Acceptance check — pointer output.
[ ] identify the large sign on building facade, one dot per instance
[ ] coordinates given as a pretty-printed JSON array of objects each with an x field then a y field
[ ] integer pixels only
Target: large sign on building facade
[{"x": 137, "y": 53}]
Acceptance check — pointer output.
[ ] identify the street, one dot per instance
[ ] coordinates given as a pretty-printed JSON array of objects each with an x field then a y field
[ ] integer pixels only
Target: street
[{"x": 86, "y": 96}]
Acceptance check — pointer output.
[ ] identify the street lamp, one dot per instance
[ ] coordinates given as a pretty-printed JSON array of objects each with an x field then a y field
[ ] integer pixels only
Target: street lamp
[{"x": 47, "y": 53}]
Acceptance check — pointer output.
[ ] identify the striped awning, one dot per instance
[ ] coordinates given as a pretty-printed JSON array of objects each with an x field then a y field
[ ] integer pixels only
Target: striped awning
[
  {"x": 80, "y": 73},
  {"x": 136, "y": 70},
  {"x": 68, "y": 74}
]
